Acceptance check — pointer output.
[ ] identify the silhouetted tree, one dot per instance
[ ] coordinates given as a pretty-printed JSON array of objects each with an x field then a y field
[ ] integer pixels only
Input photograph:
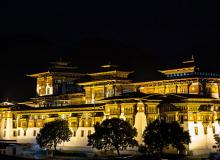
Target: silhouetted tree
[
  {"x": 54, "y": 133},
  {"x": 113, "y": 134},
  {"x": 217, "y": 142},
  {"x": 178, "y": 138},
  {"x": 154, "y": 137},
  {"x": 160, "y": 134}
]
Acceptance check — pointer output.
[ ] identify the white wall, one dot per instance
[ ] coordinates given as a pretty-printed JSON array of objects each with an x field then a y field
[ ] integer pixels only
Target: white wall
[{"x": 202, "y": 143}]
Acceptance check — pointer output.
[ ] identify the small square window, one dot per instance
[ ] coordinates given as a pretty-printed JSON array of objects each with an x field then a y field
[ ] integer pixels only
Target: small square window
[
  {"x": 89, "y": 132},
  {"x": 205, "y": 130},
  {"x": 213, "y": 129},
  {"x": 14, "y": 133},
  {"x": 34, "y": 133},
  {"x": 74, "y": 133},
  {"x": 82, "y": 133},
  {"x": 196, "y": 130}
]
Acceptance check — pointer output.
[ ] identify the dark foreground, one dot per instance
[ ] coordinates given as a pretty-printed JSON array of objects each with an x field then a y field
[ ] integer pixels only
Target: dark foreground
[
  {"x": 4, "y": 157},
  {"x": 64, "y": 156}
]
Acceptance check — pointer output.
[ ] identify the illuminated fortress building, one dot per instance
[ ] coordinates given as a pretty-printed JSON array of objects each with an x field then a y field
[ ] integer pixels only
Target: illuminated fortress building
[{"x": 184, "y": 94}]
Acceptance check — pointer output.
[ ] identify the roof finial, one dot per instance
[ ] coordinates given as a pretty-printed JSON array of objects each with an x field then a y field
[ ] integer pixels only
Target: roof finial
[{"x": 193, "y": 57}]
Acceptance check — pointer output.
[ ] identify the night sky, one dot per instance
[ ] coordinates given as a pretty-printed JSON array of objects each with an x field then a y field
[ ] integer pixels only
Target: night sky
[{"x": 143, "y": 37}]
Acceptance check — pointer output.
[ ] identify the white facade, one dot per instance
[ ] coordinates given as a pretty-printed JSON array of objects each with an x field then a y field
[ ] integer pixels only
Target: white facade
[{"x": 202, "y": 141}]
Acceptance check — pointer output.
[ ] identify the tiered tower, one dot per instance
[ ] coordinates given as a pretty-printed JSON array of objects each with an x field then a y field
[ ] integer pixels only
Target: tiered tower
[
  {"x": 109, "y": 82},
  {"x": 59, "y": 79}
]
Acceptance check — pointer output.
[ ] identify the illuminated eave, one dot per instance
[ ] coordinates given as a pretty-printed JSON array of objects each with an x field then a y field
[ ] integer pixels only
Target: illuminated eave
[
  {"x": 110, "y": 73},
  {"x": 48, "y": 73},
  {"x": 196, "y": 100},
  {"x": 4, "y": 108},
  {"x": 36, "y": 75},
  {"x": 178, "y": 70},
  {"x": 109, "y": 66},
  {"x": 125, "y": 100},
  {"x": 103, "y": 81},
  {"x": 174, "y": 80},
  {"x": 189, "y": 61},
  {"x": 96, "y": 107}
]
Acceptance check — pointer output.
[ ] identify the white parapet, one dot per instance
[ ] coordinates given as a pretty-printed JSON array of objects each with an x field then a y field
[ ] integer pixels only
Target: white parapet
[{"x": 201, "y": 142}]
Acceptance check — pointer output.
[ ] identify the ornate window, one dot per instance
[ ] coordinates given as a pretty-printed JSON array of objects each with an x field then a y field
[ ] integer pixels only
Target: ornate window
[{"x": 196, "y": 130}]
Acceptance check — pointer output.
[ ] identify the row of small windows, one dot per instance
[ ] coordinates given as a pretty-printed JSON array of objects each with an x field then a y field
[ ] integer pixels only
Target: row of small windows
[
  {"x": 194, "y": 74},
  {"x": 60, "y": 81},
  {"x": 18, "y": 133},
  {"x": 128, "y": 110},
  {"x": 205, "y": 130},
  {"x": 152, "y": 110},
  {"x": 82, "y": 133}
]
